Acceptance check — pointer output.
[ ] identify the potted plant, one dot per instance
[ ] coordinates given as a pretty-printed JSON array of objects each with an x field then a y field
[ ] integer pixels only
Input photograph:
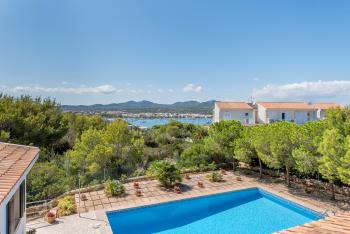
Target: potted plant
[
  {"x": 136, "y": 185},
  {"x": 114, "y": 188},
  {"x": 83, "y": 197},
  {"x": 166, "y": 172},
  {"x": 138, "y": 192},
  {"x": 214, "y": 177},
  {"x": 177, "y": 189},
  {"x": 200, "y": 184},
  {"x": 223, "y": 172},
  {"x": 187, "y": 177},
  {"x": 239, "y": 178},
  {"x": 51, "y": 217}
]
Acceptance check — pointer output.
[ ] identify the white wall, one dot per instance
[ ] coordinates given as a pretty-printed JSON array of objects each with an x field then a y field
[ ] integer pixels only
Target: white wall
[
  {"x": 297, "y": 116},
  {"x": 216, "y": 117},
  {"x": 238, "y": 115},
  {"x": 3, "y": 219},
  {"x": 321, "y": 114},
  {"x": 261, "y": 114}
]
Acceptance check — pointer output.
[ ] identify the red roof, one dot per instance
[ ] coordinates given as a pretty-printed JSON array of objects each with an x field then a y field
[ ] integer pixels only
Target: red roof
[
  {"x": 327, "y": 105},
  {"x": 233, "y": 105},
  {"x": 287, "y": 105},
  {"x": 14, "y": 161}
]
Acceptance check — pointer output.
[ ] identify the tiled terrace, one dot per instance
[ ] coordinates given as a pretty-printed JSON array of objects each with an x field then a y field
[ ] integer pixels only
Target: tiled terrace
[
  {"x": 152, "y": 193},
  {"x": 335, "y": 224},
  {"x": 97, "y": 202}
]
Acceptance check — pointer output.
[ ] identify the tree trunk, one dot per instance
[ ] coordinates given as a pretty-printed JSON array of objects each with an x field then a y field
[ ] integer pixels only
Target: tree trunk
[
  {"x": 260, "y": 169},
  {"x": 333, "y": 191},
  {"x": 234, "y": 165},
  {"x": 287, "y": 176}
]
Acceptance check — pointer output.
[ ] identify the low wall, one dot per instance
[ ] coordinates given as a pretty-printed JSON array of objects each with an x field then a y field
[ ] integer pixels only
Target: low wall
[
  {"x": 310, "y": 183},
  {"x": 40, "y": 210}
]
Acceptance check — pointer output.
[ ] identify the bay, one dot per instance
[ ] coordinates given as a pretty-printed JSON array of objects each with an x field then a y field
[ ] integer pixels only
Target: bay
[{"x": 150, "y": 122}]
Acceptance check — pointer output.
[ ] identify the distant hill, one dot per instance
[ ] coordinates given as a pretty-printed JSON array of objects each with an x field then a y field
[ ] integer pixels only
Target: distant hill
[{"x": 147, "y": 106}]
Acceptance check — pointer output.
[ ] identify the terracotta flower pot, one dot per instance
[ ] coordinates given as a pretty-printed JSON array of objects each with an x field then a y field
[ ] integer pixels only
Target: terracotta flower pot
[
  {"x": 83, "y": 197},
  {"x": 187, "y": 176},
  {"x": 136, "y": 185},
  {"x": 177, "y": 189},
  {"x": 138, "y": 192},
  {"x": 200, "y": 184},
  {"x": 51, "y": 219},
  {"x": 223, "y": 172}
]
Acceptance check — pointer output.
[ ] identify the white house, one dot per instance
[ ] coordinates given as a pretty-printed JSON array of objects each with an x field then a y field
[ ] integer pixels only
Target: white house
[
  {"x": 298, "y": 112},
  {"x": 239, "y": 111},
  {"x": 15, "y": 163},
  {"x": 269, "y": 112},
  {"x": 321, "y": 108}
]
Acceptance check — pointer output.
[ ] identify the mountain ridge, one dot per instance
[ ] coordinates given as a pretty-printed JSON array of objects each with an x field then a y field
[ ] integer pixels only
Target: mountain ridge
[{"x": 132, "y": 106}]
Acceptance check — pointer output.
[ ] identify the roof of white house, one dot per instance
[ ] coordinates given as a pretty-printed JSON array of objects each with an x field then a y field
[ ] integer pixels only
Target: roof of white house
[
  {"x": 287, "y": 105},
  {"x": 325, "y": 106},
  {"x": 14, "y": 161},
  {"x": 234, "y": 105},
  {"x": 298, "y": 105}
]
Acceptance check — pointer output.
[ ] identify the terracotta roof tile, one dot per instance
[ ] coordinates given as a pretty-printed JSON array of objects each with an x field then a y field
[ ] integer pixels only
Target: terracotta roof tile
[
  {"x": 327, "y": 105},
  {"x": 287, "y": 105},
  {"x": 14, "y": 161},
  {"x": 233, "y": 105}
]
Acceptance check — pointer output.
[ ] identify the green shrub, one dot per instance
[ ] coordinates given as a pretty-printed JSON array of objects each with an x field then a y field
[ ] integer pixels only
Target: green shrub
[
  {"x": 167, "y": 173},
  {"x": 31, "y": 231},
  {"x": 123, "y": 178},
  {"x": 114, "y": 188},
  {"x": 214, "y": 176},
  {"x": 66, "y": 206}
]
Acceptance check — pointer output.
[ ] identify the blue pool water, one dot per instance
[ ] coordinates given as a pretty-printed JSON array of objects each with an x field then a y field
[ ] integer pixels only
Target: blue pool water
[{"x": 245, "y": 211}]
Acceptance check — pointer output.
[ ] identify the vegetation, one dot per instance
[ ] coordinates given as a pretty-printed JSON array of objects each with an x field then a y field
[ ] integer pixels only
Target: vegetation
[
  {"x": 66, "y": 206},
  {"x": 47, "y": 180},
  {"x": 76, "y": 148},
  {"x": 332, "y": 150},
  {"x": 214, "y": 176},
  {"x": 114, "y": 188},
  {"x": 167, "y": 173},
  {"x": 111, "y": 151}
]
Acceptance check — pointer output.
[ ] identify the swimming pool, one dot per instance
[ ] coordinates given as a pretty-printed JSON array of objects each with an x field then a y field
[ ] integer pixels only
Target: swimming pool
[{"x": 245, "y": 211}]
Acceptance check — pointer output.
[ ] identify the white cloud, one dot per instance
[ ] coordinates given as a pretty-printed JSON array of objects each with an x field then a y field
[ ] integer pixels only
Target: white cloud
[
  {"x": 76, "y": 90},
  {"x": 64, "y": 82},
  {"x": 160, "y": 90},
  {"x": 192, "y": 88},
  {"x": 305, "y": 89}
]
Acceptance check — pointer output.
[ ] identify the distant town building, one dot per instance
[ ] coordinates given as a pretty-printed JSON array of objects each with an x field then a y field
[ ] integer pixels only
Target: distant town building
[
  {"x": 239, "y": 111},
  {"x": 15, "y": 164},
  {"x": 269, "y": 112},
  {"x": 323, "y": 107}
]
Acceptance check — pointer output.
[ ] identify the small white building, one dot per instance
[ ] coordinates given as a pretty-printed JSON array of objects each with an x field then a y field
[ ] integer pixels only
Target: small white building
[
  {"x": 239, "y": 111},
  {"x": 15, "y": 164},
  {"x": 298, "y": 112},
  {"x": 321, "y": 108}
]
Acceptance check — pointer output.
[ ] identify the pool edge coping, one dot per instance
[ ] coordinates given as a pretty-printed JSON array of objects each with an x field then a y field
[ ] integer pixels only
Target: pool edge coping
[{"x": 102, "y": 214}]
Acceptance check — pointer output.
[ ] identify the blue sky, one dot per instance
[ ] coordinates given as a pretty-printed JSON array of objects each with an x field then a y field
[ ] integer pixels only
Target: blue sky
[{"x": 85, "y": 52}]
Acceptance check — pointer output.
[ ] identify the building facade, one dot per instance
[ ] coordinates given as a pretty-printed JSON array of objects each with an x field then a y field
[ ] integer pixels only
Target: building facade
[
  {"x": 239, "y": 111},
  {"x": 15, "y": 164},
  {"x": 269, "y": 112},
  {"x": 297, "y": 112}
]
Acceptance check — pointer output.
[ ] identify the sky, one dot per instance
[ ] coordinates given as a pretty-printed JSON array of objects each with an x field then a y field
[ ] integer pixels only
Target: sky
[{"x": 109, "y": 51}]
